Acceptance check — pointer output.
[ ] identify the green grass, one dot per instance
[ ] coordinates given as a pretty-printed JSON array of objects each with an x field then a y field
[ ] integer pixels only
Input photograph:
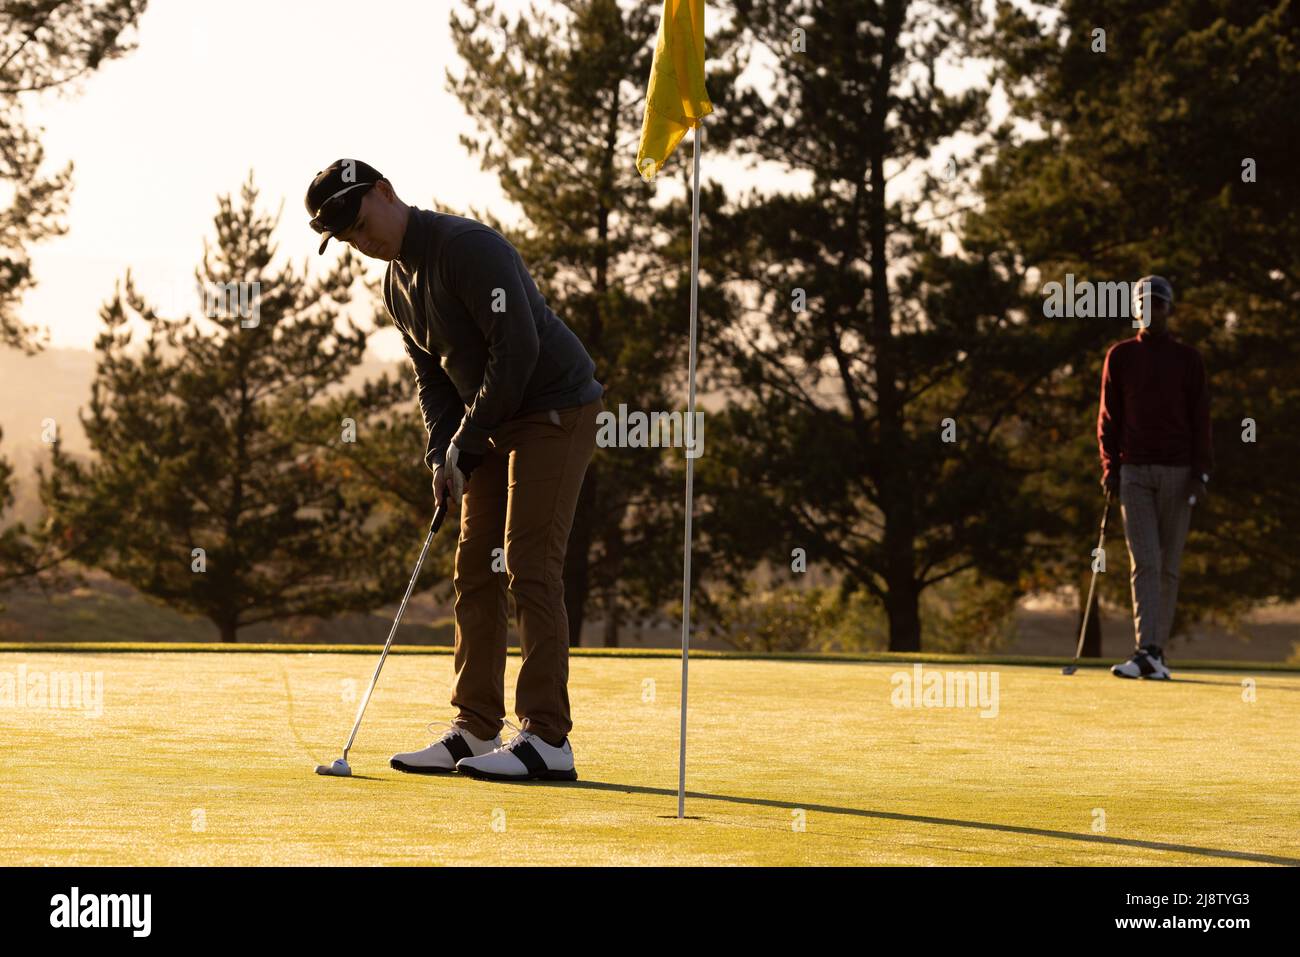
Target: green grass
[
  {"x": 208, "y": 758},
  {"x": 400, "y": 648}
]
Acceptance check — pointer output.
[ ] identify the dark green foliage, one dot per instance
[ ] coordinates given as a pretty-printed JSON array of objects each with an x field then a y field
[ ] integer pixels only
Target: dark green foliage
[
  {"x": 44, "y": 44},
  {"x": 1142, "y": 171}
]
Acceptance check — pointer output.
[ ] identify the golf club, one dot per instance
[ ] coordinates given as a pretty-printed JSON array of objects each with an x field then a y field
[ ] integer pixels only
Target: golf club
[
  {"x": 1073, "y": 666},
  {"x": 340, "y": 768}
]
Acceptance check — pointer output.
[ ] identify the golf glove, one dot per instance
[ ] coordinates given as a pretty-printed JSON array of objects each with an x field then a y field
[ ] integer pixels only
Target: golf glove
[{"x": 460, "y": 465}]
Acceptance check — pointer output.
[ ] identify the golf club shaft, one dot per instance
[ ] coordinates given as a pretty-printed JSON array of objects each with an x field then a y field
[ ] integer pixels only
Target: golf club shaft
[
  {"x": 1087, "y": 608},
  {"x": 438, "y": 515}
]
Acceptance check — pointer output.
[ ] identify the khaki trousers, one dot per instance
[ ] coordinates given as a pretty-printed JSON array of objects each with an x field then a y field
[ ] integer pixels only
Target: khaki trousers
[
  {"x": 516, "y": 513},
  {"x": 1156, "y": 519}
]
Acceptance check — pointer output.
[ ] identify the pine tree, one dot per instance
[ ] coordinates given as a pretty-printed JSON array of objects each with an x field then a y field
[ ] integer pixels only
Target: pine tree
[
  {"x": 867, "y": 334},
  {"x": 561, "y": 108},
  {"x": 1171, "y": 152},
  {"x": 217, "y": 487},
  {"x": 44, "y": 44}
]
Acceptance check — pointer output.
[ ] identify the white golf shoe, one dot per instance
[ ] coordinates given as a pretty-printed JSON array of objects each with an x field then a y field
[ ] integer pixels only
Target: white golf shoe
[
  {"x": 1145, "y": 663},
  {"x": 441, "y": 756},
  {"x": 527, "y": 757}
]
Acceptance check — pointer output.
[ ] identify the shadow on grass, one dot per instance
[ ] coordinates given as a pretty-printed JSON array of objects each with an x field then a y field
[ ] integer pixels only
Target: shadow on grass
[
  {"x": 1232, "y": 684},
  {"x": 927, "y": 819}
]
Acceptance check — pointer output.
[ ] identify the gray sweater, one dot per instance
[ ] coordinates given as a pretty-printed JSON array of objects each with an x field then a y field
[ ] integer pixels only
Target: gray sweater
[{"x": 484, "y": 344}]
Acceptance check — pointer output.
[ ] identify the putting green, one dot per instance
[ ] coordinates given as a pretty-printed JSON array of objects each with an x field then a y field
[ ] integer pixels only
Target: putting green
[{"x": 208, "y": 759}]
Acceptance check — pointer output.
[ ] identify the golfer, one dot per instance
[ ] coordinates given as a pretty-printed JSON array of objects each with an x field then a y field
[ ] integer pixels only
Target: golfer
[
  {"x": 510, "y": 401},
  {"x": 1154, "y": 432}
]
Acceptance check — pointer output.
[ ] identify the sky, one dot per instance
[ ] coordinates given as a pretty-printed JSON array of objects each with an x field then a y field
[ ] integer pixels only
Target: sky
[
  {"x": 218, "y": 87},
  {"x": 215, "y": 89}
]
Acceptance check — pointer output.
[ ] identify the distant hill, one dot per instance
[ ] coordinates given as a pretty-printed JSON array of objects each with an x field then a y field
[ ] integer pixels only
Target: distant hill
[
  {"x": 104, "y": 609},
  {"x": 55, "y": 384}
]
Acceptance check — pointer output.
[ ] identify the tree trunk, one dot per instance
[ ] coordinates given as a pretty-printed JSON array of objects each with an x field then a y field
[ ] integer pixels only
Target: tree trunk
[
  {"x": 614, "y": 555},
  {"x": 577, "y": 559},
  {"x": 891, "y": 479},
  {"x": 611, "y": 623},
  {"x": 903, "y": 604},
  {"x": 229, "y": 631}
]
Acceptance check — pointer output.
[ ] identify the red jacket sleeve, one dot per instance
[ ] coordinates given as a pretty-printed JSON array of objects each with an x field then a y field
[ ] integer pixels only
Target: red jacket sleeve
[
  {"x": 1199, "y": 416},
  {"x": 1110, "y": 416}
]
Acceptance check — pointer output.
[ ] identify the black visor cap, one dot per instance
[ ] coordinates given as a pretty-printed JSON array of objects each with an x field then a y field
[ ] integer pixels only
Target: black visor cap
[{"x": 335, "y": 195}]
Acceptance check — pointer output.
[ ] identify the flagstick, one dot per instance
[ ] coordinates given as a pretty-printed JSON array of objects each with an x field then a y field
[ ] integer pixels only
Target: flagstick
[{"x": 690, "y": 466}]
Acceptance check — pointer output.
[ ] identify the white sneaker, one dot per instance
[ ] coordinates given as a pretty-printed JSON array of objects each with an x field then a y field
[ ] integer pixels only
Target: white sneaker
[
  {"x": 441, "y": 756},
  {"x": 1145, "y": 663},
  {"x": 527, "y": 757}
]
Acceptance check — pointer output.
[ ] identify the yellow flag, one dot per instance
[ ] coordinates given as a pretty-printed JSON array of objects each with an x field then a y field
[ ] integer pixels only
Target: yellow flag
[{"x": 675, "y": 100}]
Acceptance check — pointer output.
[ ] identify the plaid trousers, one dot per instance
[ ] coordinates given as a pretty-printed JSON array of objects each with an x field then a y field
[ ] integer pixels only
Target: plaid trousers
[{"x": 1153, "y": 499}]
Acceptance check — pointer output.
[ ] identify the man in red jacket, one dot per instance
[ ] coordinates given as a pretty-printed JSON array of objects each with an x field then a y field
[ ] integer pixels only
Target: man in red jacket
[{"x": 1153, "y": 429}]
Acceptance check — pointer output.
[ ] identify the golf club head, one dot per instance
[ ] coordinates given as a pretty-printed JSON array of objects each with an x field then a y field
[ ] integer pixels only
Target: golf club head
[
  {"x": 339, "y": 769},
  {"x": 1069, "y": 669}
]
